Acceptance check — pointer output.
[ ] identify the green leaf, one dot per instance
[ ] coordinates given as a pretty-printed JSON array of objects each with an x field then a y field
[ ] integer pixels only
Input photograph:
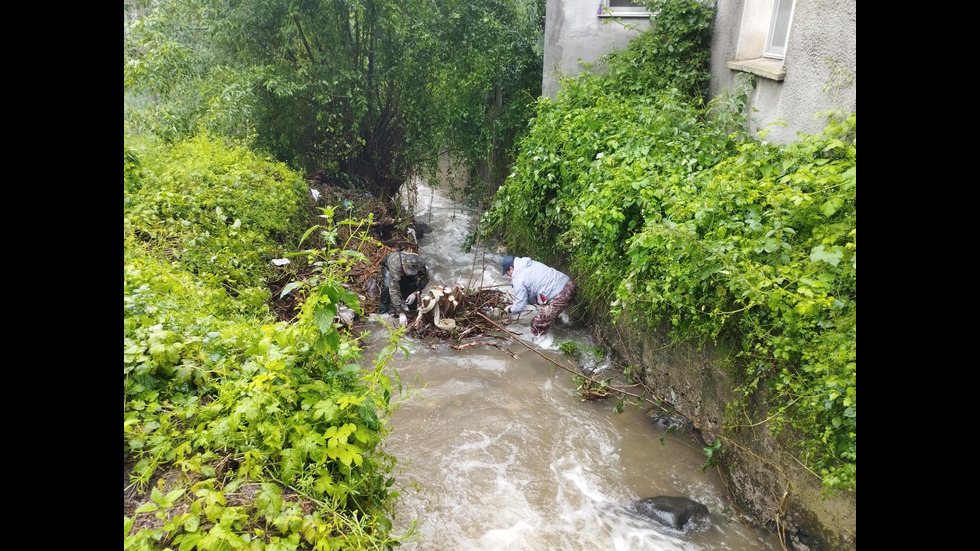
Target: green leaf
[
  {"x": 307, "y": 234},
  {"x": 172, "y": 497},
  {"x": 324, "y": 317},
  {"x": 325, "y": 409},
  {"x": 192, "y": 523},
  {"x": 345, "y": 455},
  {"x": 188, "y": 542},
  {"x": 285, "y": 290},
  {"x": 831, "y": 206},
  {"x": 328, "y": 343},
  {"x": 147, "y": 507},
  {"x": 350, "y": 299},
  {"x": 831, "y": 256},
  {"x": 349, "y": 369}
]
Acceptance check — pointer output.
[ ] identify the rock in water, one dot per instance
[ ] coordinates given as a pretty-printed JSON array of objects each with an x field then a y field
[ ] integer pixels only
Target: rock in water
[
  {"x": 667, "y": 421},
  {"x": 422, "y": 229},
  {"x": 675, "y": 512}
]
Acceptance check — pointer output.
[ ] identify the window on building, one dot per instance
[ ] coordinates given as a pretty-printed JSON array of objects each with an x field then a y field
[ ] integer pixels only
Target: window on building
[
  {"x": 623, "y": 8},
  {"x": 763, "y": 37},
  {"x": 782, "y": 14}
]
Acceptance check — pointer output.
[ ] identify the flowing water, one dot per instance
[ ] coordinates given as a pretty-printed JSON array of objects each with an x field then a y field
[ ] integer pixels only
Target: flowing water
[{"x": 500, "y": 453}]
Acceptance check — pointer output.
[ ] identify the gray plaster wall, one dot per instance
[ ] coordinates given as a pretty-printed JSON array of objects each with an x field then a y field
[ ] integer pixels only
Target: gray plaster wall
[
  {"x": 575, "y": 35},
  {"x": 821, "y": 55}
]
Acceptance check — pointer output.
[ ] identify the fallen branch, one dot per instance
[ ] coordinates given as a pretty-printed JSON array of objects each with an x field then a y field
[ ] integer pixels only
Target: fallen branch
[
  {"x": 656, "y": 401},
  {"x": 475, "y": 343}
]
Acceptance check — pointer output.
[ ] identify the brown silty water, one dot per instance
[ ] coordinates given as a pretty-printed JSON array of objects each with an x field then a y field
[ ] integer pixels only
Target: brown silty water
[{"x": 501, "y": 453}]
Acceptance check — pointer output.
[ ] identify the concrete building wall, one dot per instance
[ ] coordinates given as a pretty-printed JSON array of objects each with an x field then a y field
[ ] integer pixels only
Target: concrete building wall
[
  {"x": 574, "y": 34},
  {"x": 817, "y": 74},
  {"x": 820, "y": 67}
]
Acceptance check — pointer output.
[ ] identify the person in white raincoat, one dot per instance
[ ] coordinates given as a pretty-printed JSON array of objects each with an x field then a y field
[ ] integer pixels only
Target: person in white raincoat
[{"x": 535, "y": 283}]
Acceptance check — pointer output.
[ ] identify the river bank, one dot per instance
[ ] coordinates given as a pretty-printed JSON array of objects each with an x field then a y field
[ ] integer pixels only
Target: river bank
[{"x": 767, "y": 483}]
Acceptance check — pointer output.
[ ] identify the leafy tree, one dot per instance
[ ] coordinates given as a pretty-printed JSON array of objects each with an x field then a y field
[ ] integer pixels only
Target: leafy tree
[
  {"x": 361, "y": 92},
  {"x": 488, "y": 82}
]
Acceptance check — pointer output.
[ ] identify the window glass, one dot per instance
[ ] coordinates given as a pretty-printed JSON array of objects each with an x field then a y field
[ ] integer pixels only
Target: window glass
[
  {"x": 782, "y": 14},
  {"x": 624, "y": 6}
]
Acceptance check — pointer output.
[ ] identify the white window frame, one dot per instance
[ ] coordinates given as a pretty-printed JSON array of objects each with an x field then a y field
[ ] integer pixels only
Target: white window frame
[
  {"x": 605, "y": 10},
  {"x": 779, "y": 24}
]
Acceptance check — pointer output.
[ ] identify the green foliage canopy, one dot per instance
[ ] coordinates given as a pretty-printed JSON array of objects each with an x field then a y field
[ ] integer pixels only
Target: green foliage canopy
[{"x": 362, "y": 91}]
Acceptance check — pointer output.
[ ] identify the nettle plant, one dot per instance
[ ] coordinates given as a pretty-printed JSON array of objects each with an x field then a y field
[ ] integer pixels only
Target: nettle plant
[
  {"x": 261, "y": 434},
  {"x": 679, "y": 218}
]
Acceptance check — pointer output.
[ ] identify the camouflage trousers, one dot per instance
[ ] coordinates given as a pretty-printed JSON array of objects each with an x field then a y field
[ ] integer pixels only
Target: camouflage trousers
[{"x": 548, "y": 312}]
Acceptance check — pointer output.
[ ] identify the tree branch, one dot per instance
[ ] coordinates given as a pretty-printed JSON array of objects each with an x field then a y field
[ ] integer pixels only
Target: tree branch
[{"x": 302, "y": 37}]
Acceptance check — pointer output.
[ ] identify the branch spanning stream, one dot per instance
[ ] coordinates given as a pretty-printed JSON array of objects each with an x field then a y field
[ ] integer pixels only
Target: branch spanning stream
[{"x": 621, "y": 390}]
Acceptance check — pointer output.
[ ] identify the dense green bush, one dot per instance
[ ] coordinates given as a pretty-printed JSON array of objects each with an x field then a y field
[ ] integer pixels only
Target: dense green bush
[
  {"x": 222, "y": 212},
  {"x": 678, "y": 217},
  {"x": 273, "y": 429}
]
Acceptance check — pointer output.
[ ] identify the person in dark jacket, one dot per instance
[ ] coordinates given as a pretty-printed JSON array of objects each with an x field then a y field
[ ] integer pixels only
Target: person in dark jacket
[
  {"x": 403, "y": 275},
  {"x": 543, "y": 286}
]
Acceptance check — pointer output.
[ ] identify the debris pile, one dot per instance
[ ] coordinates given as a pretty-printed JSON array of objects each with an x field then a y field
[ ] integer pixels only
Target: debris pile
[
  {"x": 472, "y": 312},
  {"x": 458, "y": 317}
]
